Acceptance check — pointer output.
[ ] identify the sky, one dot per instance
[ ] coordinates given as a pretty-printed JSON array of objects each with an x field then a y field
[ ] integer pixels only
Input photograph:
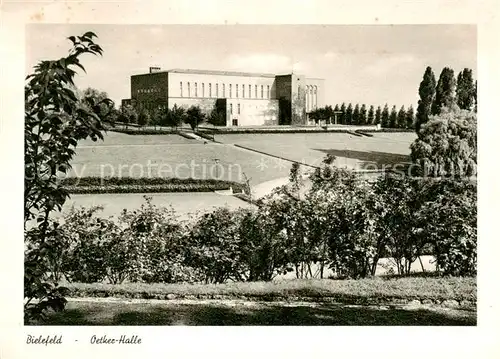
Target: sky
[{"x": 371, "y": 64}]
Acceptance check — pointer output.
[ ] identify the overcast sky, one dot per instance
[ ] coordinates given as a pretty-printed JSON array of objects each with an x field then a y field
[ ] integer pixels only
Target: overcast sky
[{"x": 374, "y": 64}]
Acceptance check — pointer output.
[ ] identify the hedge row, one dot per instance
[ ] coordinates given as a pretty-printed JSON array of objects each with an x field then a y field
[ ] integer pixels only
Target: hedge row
[
  {"x": 87, "y": 185},
  {"x": 98, "y": 181},
  {"x": 145, "y": 189}
]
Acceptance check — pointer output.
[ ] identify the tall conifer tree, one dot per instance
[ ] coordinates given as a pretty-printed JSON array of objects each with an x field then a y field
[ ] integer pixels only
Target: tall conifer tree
[
  {"x": 370, "y": 119},
  {"x": 445, "y": 91},
  {"x": 426, "y": 91}
]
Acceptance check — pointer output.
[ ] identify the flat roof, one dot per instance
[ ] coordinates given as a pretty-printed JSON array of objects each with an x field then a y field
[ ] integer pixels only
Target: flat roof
[{"x": 222, "y": 73}]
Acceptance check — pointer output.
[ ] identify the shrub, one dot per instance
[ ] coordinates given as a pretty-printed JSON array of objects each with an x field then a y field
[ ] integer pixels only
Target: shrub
[
  {"x": 95, "y": 246},
  {"x": 263, "y": 247},
  {"x": 450, "y": 214},
  {"x": 157, "y": 244},
  {"x": 447, "y": 144},
  {"x": 214, "y": 247}
]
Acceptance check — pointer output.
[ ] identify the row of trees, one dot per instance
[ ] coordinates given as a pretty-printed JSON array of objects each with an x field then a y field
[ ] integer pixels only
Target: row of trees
[
  {"x": 165, "y": 117},
  {"x": 362, "y": 115},
  {"x": 174, "y": 117},
  {"x": 446, "y": 93}
]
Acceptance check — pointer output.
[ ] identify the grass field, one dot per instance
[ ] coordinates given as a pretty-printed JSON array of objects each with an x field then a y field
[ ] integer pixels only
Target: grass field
[{"x": 170, "y": 156}]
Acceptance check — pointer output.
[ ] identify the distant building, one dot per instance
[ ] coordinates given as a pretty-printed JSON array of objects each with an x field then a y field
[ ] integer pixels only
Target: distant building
[{"x": 242, "y": 99}]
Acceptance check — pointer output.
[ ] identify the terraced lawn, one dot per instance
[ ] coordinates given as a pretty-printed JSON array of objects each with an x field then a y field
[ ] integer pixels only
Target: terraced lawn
[
  {"x": 172, "y": 156},
  {"x": 351, "y": 151}
]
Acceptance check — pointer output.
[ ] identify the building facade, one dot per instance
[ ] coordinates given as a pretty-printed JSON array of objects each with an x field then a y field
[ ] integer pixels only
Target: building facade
[{"x": 242, "y": 99}]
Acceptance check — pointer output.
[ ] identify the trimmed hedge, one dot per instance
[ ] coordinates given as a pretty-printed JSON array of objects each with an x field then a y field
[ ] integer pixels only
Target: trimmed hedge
[{"x": 87, "y": 185}]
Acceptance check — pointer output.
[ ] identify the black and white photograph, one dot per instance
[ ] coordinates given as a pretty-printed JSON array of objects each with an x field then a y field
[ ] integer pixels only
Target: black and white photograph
[{"x": 247, "y": 178}]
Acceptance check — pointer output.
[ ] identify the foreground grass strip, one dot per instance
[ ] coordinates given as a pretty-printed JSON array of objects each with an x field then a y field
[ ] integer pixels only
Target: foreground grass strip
[
  {"x": 91, "y": 313},
  {"x": 347, "y": 291}
]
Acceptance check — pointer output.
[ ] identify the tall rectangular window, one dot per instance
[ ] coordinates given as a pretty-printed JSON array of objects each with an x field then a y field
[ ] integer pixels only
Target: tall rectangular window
[
  {"x": 189, "y": 89},
  {"x": 256, "y": 91},
  {"x": 202, "y": 89},
  {"x": 231, "y": 108},
  {"x": 249, "y": 91},
  {"x": 209, "y": 90},
  {"x": 268, "y": 93},
  {"x": 181, "y": 88},
  {"x": 195, "y": 89},
  {"x": 238, "y": 109},
  {"x": 217, "y": 90},
  {"x": 243, "y": 91},
  {"x": 230, "y": 90},
  {"x": 224, "y": 90},
  {"x": 237, "y": 92}
]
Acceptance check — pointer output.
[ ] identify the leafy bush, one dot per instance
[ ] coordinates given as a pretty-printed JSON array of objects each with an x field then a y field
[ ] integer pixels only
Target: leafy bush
[
  {"x": 447, "y": 144},
  {"x": 95, "y": 246},
  {"x": 450, "y": 214},
  {"x": 214, "y": 247},
  {"x": 158, "y": 242},
  {"x": 55, "y": 120},
  {"x": 263, "y": 248}
]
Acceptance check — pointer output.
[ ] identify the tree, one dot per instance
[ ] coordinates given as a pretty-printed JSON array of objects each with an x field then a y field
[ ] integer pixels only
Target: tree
[
  {"x": 410, "y": 117},
  {"x": 465, "y": 90},
  {"x": 378, "y": 116},
  {"x": 426, "y": 91},
  {"x": 370, "y": 119},
  {"x": 447, "y": 145},
  {"x": 217, "y": 118},
  {"x": 143, "y": 119},
  {"x": 194, "y": 116},
  {"x": 173, "y": 117},
  {"x": 385, "y": 116},
  {"x": 401, "y": 120},
  {"x": 54, "y": 122},
  {"x": 362, "y": 115},
  {"x": 127, "y": 114},
  {"x": 98, "y": 102},
  {"x": 393, "y": 117},
  {"x": 348, "y": 115},
  {"x": 445, "y": 91},
  {"x": 355, "y": 115}
]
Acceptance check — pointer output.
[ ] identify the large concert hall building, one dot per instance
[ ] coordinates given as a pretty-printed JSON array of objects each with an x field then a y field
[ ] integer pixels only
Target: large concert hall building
[{"x": 243, "y": 99}]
